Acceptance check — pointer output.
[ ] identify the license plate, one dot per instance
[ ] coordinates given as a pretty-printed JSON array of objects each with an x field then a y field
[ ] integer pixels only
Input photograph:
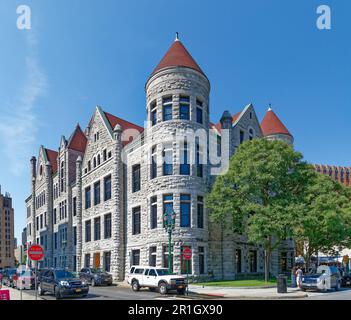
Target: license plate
[
  {"x": 180, "y": 287},
  {"x": 78, "y": 290}
]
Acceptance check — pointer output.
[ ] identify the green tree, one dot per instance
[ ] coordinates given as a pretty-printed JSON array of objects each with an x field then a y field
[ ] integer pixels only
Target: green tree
[
  {"x": 324, "y": 222},
  {"x": 260, "y": 190}
]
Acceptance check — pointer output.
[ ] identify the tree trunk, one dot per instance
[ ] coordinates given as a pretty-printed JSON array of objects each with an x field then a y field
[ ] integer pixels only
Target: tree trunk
[{"x": 267, "y": 262}]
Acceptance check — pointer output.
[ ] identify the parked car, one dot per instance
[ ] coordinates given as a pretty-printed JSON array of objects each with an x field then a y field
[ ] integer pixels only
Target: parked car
[
  {"x": 9, "y": 277},
  {"x": 325, "y": 278},
  {"x": 155, "y": 278},
  {"x": 62, "y": 284},
  {"x": 345, "y": 278},
  {"x": 25, "y": 279},
  {"x": 95, "y": 277}
]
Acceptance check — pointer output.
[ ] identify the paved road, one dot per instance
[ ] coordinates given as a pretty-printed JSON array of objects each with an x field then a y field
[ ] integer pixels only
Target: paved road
[
  {"x": 343, "y": 294},
  {"x": 123, "y": 293}
]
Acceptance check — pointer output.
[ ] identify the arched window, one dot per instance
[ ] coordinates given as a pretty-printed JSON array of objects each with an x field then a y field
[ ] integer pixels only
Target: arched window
[
  {"x": 94, "y": 163},
  {"x": 153, "y": 171},
  {"x": 98, "y": 160}
]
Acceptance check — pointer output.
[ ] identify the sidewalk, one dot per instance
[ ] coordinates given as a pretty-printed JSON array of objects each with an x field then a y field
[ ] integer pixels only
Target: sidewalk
[
  {"x": 16, "y": 294},
  {"x": 247, "y": 293}
]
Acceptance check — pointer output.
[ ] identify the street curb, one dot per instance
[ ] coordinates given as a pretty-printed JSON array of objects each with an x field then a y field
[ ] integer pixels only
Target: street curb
[{"x": 220, "y": 295}]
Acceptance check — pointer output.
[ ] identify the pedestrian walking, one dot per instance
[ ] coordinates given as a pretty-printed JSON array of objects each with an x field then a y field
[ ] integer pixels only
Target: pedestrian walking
[{"x": 299, "y": 274}]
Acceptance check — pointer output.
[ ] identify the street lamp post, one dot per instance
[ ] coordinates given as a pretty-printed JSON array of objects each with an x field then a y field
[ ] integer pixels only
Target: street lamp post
[{"x": 169, "y": 225}]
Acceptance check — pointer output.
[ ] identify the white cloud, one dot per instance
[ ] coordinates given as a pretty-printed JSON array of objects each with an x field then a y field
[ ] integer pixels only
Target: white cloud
[{"x": 18, "y": 121}]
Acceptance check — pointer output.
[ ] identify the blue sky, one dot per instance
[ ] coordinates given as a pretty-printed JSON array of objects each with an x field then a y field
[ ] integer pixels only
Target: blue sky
[{"x": 80, "y": 54}]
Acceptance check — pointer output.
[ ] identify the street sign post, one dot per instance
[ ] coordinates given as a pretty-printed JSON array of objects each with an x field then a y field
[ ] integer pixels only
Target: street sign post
[
  {"x": 36, "y": 253},
  {"x": 187, "y": 256}
]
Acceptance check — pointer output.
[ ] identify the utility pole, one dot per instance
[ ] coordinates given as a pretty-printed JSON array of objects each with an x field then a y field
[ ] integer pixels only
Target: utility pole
[{"x": 169, "y": 225}]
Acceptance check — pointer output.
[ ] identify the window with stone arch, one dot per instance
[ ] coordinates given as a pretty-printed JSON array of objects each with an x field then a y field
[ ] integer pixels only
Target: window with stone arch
[
  {"x": 153, "y": 169},
  {"x": 62, "y": 175}
]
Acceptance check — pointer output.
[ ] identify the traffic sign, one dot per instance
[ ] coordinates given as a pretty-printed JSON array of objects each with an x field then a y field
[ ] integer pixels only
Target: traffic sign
[
  {"x": 36, "y": 252},
  {"x": 187, "y": 253}
]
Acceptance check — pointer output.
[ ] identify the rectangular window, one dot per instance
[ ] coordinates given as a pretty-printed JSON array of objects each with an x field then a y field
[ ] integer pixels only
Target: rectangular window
[
  {"x": 185, "y": 210},
  {"x": 107, "y": 188},
  {"x": 184, "y": 108},
  {"x": 97, "y": 193},
  {"x": 65, "y": 208},
  {"x": 152, "y": 256},
  {"x": 107, "y": 226},
  {"x": 241, "y": 136},
  {"x": 87, "y": 260},
  {"x": 55, "y": 240},
  {"x": 107, "y": 261},
  {"x": 168, "y": 204},
  {"x": 87, "y": 198},
  {"x": 165, "y": 257},
  {"x": 184, "y": 159},
  {"x": 104, "y": 155},
  {"x": 168, "y": 160},
  {"x": 238, "y": 260},
  {"x": 153, "y": 113},
  {"x": 74, "y": 206},
  {"x": 199, "y": 115},
  {"x": 74, "y": 263},
  {"x": 185, "y": 264},
  {"x": 74, "y": 236},
  {"x": 200, "y": 212},
  {"x": 97, "y": 229},
  {"x": 55, "y": 216},
  {"x": 201, "y": 260},
  {"x": 41, "y": 221},
  {"x": 87, "y": 231},
  {"x": 253, "y": 261},
  {"x": 136, "y": 178},
  {"x": 135, "y": 257},
  {"x": 167, "y": 109},
  {"x": 136, "y": 221},
  {"x": 45, "y": 221},
  {"x": 153, "y": 213},
  {"x": 153, "y": 172},
  {"x": 198, "y": 159}
]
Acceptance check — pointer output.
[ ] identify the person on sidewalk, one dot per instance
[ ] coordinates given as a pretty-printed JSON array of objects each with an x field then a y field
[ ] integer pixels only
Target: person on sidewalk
[{"x": 299, "y": 274}]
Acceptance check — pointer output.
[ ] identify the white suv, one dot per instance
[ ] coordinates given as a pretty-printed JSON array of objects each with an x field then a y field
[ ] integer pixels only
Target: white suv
[{"x": 153, "y": 278}]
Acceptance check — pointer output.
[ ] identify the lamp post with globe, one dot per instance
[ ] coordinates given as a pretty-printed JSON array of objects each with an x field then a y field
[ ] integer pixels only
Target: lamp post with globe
[{"x": 169, "y": 225}]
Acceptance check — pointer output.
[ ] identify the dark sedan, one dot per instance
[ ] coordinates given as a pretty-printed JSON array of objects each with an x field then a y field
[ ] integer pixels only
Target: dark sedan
[
  {"x": 62, "y": 284},
  {"x": 95, "y": 277},
  {"x": 345, "y": 279}
]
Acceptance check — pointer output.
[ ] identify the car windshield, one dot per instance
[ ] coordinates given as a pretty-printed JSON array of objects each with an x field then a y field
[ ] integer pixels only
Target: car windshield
[
  {"x": 96, "y": 270},
  {"x": 28, "y": 273},
  {"x": 163, "y": 272},
  {"x": 59, "y": 274}
]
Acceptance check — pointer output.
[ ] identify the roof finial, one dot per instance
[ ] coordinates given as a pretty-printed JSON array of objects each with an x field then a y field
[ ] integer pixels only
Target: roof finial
[
  {"x": 269, "y": 107},
  {"x": 177, "y": 36}
]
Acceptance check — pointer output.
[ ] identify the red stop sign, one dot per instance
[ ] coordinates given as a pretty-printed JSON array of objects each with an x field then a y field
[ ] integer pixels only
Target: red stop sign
[
  {"x": 187, "y": 253},
  {"x": 36, "y": 252}
]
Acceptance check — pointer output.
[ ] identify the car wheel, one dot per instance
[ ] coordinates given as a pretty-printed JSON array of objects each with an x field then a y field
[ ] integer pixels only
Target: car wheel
[
  {"x": 162, "y": 288},
  {"x": 135, "y": 285},
  {"x": 40, "y": 291},
  {"x": 57, "y": 293},
  {"x": 181, "y": 291}
]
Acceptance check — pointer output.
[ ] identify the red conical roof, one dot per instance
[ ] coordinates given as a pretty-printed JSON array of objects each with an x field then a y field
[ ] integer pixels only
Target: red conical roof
[
  {"x": 177, "y": 56},
  {"x": 271, "y": 124},
  {"x": 77, "y": 140}
]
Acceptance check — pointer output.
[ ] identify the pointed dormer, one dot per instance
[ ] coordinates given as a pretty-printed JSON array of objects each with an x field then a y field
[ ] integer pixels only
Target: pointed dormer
[
  {"x": 77, "y": 141},
  {"x": 177, "y": 56},
  {"x": 274, "y": 129}
]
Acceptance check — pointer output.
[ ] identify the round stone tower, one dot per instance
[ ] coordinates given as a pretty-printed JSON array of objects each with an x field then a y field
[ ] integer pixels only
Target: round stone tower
[{"x": 177, "y": 95}]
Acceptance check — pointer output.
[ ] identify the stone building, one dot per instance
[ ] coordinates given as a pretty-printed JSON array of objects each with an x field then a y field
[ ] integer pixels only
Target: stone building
[
  {"x": 7, "y": 240},
  {"x": 101, "y": 199}
]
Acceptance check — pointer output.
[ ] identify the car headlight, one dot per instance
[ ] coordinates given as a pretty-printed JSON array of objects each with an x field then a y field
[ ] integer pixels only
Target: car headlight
[
  {"x": 303, "y": 279},
  {"x": 64, "y": 283},
  {"x": 84, "y": 283}
]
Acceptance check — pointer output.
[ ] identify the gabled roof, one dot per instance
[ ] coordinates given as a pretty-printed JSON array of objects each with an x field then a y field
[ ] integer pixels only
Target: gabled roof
[
  {"x": 218, "y": 126},
  {"x": 113, "y": 121},
  {"x": 77, "y": 141},
  {"x": 271, "y": 124},
  {"x": 177, "y": 56},
  {"x": 52, "y": 158}
]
